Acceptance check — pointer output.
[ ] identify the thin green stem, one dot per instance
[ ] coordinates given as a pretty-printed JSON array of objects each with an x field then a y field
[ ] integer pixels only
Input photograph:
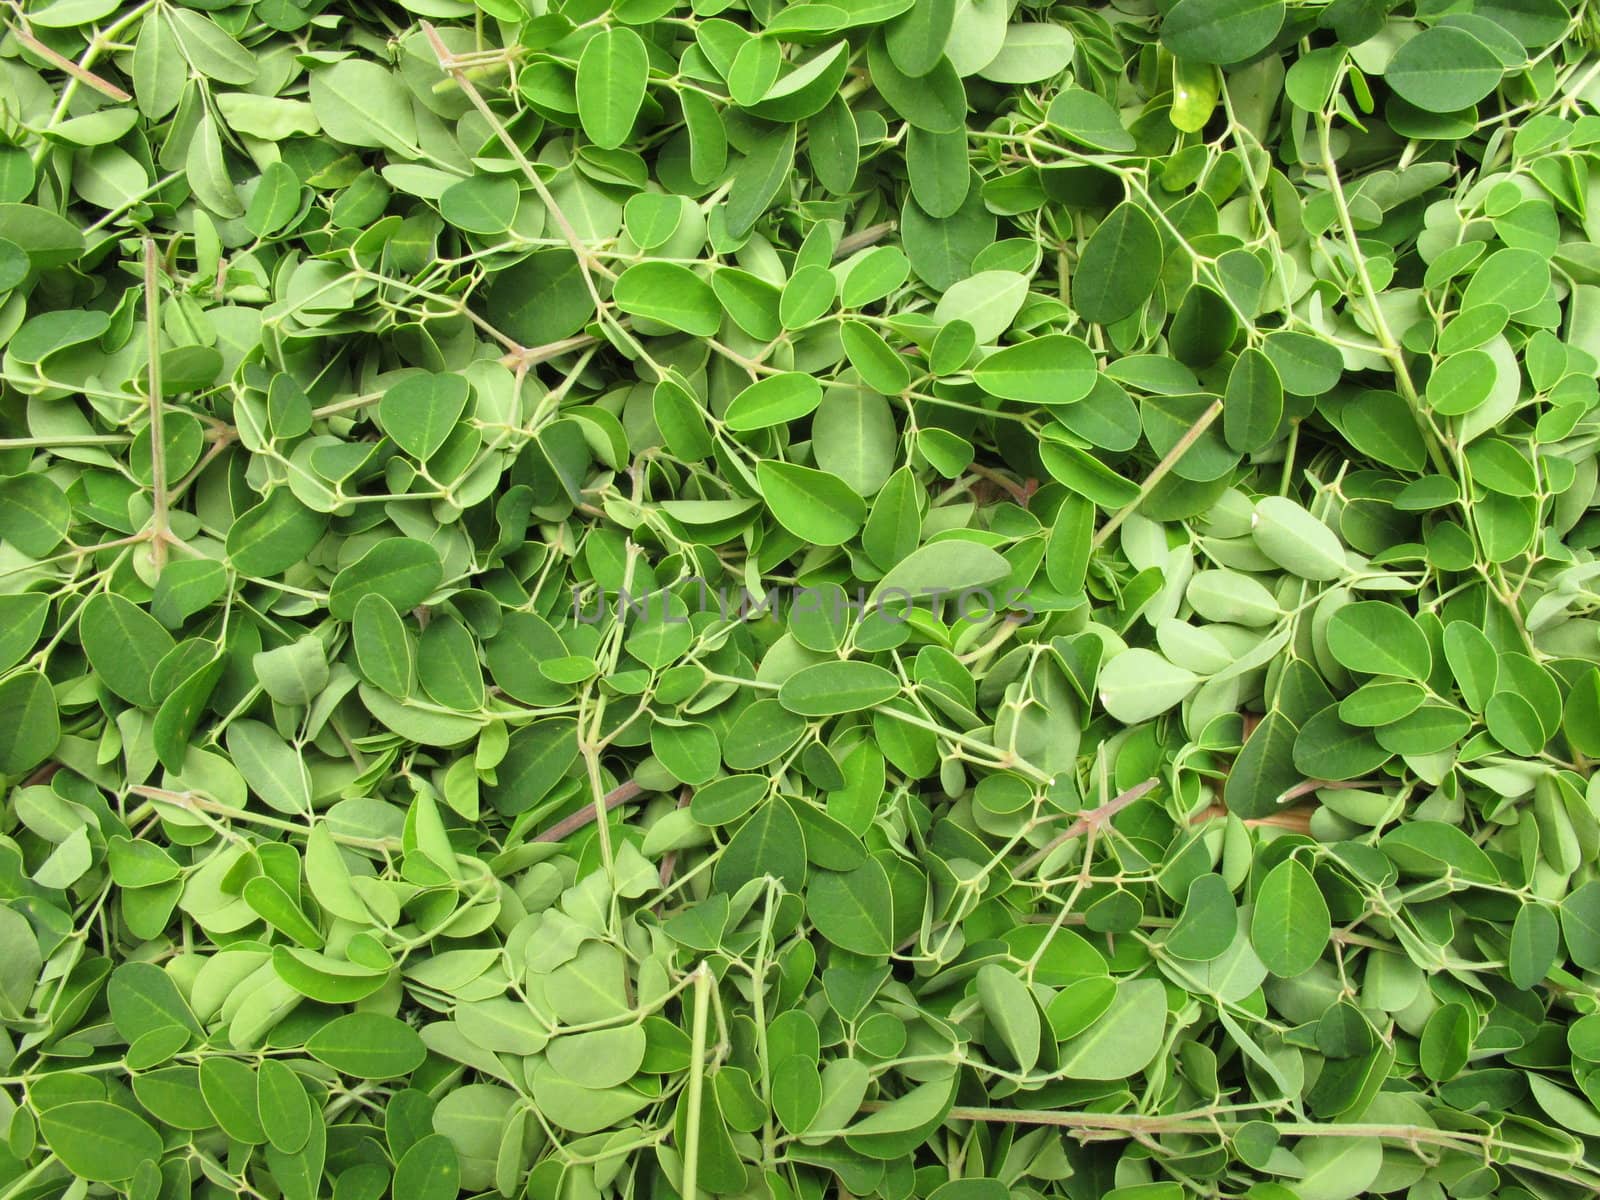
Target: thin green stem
[
  {"x": 158, "y": 440},
  {"x": 1380, "y": 322},
  {"x": 697, "y": 1082}
]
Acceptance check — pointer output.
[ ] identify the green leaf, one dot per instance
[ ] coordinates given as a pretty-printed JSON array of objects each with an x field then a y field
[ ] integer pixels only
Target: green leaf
[
  {"x": 807, "y": 89},
  {"x": 124, "y": 643},
  {"x": 329, "y": 878},
  {"x": 293, "y": 674},
  {"x": 1473, "y": 662},
  {"x": 420, "y": 411},
  {"x": 447, "y": 666},
  {"x": 796, "y": 1092},
  {"x": 1011, "y": 1011},
  {"x": 943, "y": 250},
  {"x": 1056, "y": 369},
  {"x": 1119, "y": 266},
  {"x": 1088, "y": 119},
  {"x": 811, "y": 504},
  {"x": 1379, "y": 639},
  {"x": 610, "y": 84},
  {"x": 535, "y": 759},
  {"x": 429, "y": 1170},
  {"x": 275, "y": 202},
  {"x": 916, "y": 39},
  {"x": 948, "y": 566},
  {"x": 402, "y": 570},
  {"x": 671, "y": 294},
  {"x": 368, "y": 1046},
  {"x": 359, "y": 103},
  {"x": 1307, "y": 365},
  {"x": 34, "y": 514},
  {"x": 971, "y": 1189},
  {"x": 1221, "y": 31},
  {"x": 1328, "y": 748},
  {"x": 988, "y": 301},
  {"x": 853, "y": 436},
  {"x": 284, "y": 1107},
  {"x": 770, "y": 842},
  {"x": 874, "y": 359},
  {"x": 1289, "y": 925},
  {"x": 904, "y": 1122},
  {"x": 1337, "y": 1168},
  {"x": 828, "y": 689},
  {"x": 269, "y": 765},
  {"x": 1264, "y": 770},
  {"x": 383, "y": 647},
  {"x": 934, "y": 101},
  {"x": 1139, "y": 684},
  {"x": 775, "y": 400},
  {"x": 485, "y": 206},
  {"x": 599, "y": 1058},
  {"x": 1253, "y": 406},
  {"x": 273, "y": 536},
  {"x": 1031, "y": 53},
  {"x": 853, "y": 909},
  {"x": 1433, "y": 848},
  {"x": 1580, "y": 925},
  {"x": 1580, "y": 719},
  {"x": 144, "y": 999},
  {"x": 1446, "y": 1042},
  {"x": 1125, "y": 1039},
  {"x": 541, "y": 299},
  {"x": 99, "y": 1142},
  {"x": 30, "y": 724},
  {"x": 48, "y": 239},
  {"x": 1514, "y": 723},
  {"x": 1209, "y": 921},
  {"x": 1461, "y": 383},
  {"x": 229, "y": 1089},
  {"x": 681, "y": 420},
  {"x": 1535, "y": 942},
  {"x": 22, "y": 618},
  {"x": 762, "y": 174},
  {"x": 1296, "y": 541},
  {"x": 1443, "y": 69}
]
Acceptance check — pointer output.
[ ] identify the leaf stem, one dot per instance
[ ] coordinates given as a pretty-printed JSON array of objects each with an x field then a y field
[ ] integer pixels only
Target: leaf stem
[
  {"x": 158, "y": 440},
  {"x": 1090, "y": 820},
  {"x": 1380, "y": 323},
  {"x": 567, "y": 826},
  {"x": 78, "y": 72},
  {"x": 448, "y": 63},
  {"x": 697, "y": 1079},
  {"x": 1160, "y": 472}
]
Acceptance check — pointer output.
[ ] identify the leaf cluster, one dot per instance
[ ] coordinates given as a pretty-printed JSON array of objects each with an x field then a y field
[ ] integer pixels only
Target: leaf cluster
[{"x": 942, "y": 599}]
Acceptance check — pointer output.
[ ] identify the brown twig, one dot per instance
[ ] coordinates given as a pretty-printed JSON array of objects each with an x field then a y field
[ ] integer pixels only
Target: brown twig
[
  {"x": 569, "y": 825},
  {"x": 860, "y": 240},
  {"x": 1297, "y": 819},
  {"x": 42, "y": 775},
  {"x": 534, "y": 355},
  {"x": 1087, "y": 821},
  {"x": 82, "y": 74},
  {"x": 1021, "y": 492},
  {"x": 669, "y": 861},
  {"x": 1291, "y": 816}
]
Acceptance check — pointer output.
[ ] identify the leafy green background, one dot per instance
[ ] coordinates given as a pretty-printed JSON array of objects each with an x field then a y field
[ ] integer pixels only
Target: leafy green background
[{"x": 1220, "y": 378}]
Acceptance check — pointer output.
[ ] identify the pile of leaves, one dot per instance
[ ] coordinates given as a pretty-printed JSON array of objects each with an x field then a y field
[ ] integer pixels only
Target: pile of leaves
[{"x": 898, "y": 598}]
